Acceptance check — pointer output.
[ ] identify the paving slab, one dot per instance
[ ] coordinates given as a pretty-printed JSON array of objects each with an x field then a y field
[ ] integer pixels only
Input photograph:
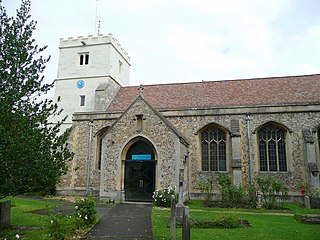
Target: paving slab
[{"x": 123, "y": 221}]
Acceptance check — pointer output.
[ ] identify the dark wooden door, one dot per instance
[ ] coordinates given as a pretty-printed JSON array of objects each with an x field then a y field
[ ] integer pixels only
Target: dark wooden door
[{"x": 139, "y": 183}]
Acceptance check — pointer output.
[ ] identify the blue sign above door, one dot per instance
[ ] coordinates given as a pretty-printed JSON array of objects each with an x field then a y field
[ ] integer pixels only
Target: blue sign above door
[{"x": 141, "y": 157}]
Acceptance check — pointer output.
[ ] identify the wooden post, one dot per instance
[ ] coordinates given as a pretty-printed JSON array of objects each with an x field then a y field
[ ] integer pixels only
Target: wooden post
[
  {"x": 186, "y": 224},
  {"x": 5, "y": 209},
  {"x": 173, "y": 218}
]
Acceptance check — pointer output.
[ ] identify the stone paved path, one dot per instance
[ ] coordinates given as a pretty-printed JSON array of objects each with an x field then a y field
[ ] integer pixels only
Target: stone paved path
[{"x": 123, "y": 221}]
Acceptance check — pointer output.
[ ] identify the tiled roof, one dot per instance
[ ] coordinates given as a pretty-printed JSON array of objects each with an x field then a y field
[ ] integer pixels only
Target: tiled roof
[{"x": 228, "y": 93}]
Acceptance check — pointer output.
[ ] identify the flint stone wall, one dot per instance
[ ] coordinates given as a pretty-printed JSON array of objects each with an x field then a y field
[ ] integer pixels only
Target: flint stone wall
[
  {"x": 171, "y": 153},
  {"x": 293, "y": 121}
]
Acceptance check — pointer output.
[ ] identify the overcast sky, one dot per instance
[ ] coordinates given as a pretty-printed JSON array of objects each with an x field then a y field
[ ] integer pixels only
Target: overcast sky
[{"x": 190, "y": 40}]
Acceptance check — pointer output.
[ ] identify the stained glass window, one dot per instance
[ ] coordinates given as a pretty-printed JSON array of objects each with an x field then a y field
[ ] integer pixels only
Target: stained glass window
[
  {"x": 272, "y": 149},
  {"x": 213, "y": 148},
  {"x": 319, "y": 141}
]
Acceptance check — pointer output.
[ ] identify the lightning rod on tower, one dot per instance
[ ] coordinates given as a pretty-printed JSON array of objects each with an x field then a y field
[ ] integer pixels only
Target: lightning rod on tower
[{"x": 96, "y": 19}]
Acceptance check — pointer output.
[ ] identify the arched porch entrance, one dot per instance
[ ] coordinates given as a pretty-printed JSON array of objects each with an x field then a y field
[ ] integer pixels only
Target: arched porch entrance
[{"x": 139, "y": 172}]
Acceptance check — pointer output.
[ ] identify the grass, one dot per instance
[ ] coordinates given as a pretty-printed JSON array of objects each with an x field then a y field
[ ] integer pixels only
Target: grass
[
  {"x": 275, "y": 225},
  {"x": 21, "y": 216},
  {"x": 278, "y": 225}
]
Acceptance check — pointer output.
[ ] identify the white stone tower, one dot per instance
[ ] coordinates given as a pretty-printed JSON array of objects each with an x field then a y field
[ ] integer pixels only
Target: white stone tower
[{"x": 90, "y": 72}]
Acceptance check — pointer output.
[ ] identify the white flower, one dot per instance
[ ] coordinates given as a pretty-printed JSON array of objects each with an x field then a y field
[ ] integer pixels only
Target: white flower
[
  {"x": 17, "y": 236},
  {"x": 86, "y": 217},
  {"x": 51, "y": 221},
  {"x": 76, "y": 207},
  {"x": 79, "y": 215}
]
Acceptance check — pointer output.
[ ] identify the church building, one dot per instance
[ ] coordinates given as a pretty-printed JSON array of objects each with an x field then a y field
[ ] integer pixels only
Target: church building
[{"x": 129, "y": 141}]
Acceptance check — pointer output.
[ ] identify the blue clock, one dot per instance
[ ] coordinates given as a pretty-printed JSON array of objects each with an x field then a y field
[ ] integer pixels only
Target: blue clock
[{"x": 80, "y": 84}]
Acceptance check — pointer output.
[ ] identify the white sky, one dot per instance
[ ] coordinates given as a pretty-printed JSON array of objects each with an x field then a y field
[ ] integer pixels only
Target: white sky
[{"x": 190, "y": 40}]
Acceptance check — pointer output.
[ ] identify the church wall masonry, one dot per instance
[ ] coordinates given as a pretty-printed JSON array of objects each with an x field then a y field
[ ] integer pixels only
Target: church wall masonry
[
  {"x": 294, "y": 119},
  {"x": 108, "y": 182},
  {"x": 75, "y": 181},
  {"x": 123, "y": 129},
  {"x": 126, "y": 130}
]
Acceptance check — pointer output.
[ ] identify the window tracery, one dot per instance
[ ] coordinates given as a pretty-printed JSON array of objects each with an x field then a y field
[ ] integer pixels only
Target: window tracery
[
  {"x": 213, "y": 149},
  {"x": 272, "y": 149}
]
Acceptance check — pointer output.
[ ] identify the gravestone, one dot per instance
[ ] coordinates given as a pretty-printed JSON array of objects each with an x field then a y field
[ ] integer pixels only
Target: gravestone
[
  {"x": 173, "y": 218},
  {"x": 186, "y": 224},
  {"x": 179, "y": 213},
  {"x": 5, "y": 208}
]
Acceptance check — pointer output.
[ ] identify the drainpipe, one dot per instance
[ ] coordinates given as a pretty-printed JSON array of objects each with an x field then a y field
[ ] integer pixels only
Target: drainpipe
[
  {"x": 188, "y": 174},
  {"x": 89, "y": 157},
  {"x": 249, "y": 147}
]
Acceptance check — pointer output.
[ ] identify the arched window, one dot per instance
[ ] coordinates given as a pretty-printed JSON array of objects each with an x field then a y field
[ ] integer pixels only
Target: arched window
[
  {"x": 100, "y": 134},
  {"x": 272, "y": 148},
  {"x": 84, "y": 58},
  {"x": 319, "y": 140},
  {"x": 213, "y": 149}
]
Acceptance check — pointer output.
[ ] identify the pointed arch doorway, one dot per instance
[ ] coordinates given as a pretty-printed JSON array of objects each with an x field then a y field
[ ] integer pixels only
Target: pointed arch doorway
[{"x": 140, "y": 169}]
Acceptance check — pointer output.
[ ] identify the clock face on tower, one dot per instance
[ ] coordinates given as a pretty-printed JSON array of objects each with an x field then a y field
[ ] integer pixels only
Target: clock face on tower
[{"x": 80, "y": 84}]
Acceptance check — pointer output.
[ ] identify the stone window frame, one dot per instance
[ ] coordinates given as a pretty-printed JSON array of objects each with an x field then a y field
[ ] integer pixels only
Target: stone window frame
[
  {"x": 318, "y": 136},
  {"x": 84, "y": 58},
  {"x": 227, "y": 149},
  {"x": 100, "y": 134},
  {"x": 82, "y": 100},
  {"x": 316, "y": 132},
  {"x": 288, "y": 147}
]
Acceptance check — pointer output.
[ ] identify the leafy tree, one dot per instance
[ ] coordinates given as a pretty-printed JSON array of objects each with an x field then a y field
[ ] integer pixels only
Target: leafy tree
[{"x": 33, "y": 154}]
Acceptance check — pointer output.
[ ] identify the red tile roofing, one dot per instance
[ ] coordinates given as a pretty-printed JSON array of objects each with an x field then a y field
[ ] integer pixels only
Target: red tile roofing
[{"x": 228, "y": 93}]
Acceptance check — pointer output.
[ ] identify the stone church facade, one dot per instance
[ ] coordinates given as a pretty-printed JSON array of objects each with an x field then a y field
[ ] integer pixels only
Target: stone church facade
[{"x": 133, "y": 140}]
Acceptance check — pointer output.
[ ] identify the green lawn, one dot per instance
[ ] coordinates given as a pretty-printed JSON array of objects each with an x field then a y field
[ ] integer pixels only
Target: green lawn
[
  {"x": 274, "y": 226},
  {"x": 21, "y": 216}
]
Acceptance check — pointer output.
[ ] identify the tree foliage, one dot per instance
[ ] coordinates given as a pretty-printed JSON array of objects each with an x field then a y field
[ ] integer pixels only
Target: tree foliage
[
  {"x": 33, "y": 154},
  {"x": 206, "y": 186},
  {"x": 271, "y": 188}
]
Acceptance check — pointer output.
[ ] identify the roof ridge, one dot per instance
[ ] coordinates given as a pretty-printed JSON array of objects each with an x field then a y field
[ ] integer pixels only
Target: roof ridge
[{"x": 225, "y": 80}]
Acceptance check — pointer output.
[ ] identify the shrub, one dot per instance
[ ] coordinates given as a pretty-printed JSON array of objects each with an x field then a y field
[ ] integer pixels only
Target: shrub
[
  {"x": 270, "y": 188},
  {"x": 314, "y": 195},
  {"x": 61, "y": 226},
  {"x": 206, "y": 186},
  {"x": 252, "y": 198},
  {"x": 231, "y": 195},
  {"x": 314, "y": 192},
  {"x": 163, "y": 197},
  {"x": 298, "y": 217},
  {"x": 86, "y": 210}
]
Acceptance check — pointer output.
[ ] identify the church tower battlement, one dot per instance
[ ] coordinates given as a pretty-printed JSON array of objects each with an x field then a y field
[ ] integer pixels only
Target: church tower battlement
[
  {"x": 91, "y": 70},
  {"x": 93, "y": 56}
]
